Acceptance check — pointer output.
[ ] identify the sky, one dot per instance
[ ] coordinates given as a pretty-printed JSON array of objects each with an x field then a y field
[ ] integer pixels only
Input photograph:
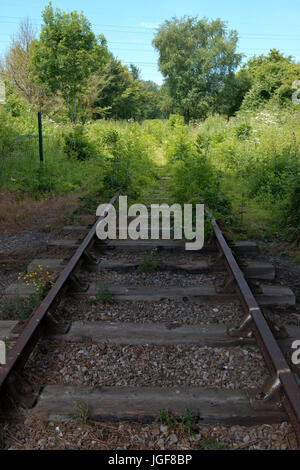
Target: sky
[{"x": 129, "y": 26}]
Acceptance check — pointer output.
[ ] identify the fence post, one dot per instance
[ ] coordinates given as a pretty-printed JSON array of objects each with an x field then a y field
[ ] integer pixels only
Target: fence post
[{"x": 40, "y": 137}]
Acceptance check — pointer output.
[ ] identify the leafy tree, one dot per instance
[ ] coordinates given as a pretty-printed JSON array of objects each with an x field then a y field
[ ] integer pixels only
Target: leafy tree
[
  {"x": 152, "y": 108},
  {"x": 197, "y": 58},
  {"x": 271, "y": 77},
  {"x": 234, "y": 91},
  {"x": 135, "y": 71},
  {"x": 118, "y": 94},
  {"x": 67, "y": 54}
]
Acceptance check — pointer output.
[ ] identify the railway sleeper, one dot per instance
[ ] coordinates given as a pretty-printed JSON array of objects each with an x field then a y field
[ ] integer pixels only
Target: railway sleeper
[{"x": 211, "y": 406}]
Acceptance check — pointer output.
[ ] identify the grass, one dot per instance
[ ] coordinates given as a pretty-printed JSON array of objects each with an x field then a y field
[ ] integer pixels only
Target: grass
[
  {"x": 212, "y": 444},
  {"x": 47, "y": 228},
  {"x": 184, "y": 423},
  {"x": 251, "y": 161},
  {"x": 148, "y": 265},
  {"x": 83, "y": 409},
  {"x": 19, "y": 308},
  {"x": 103, "y": 296}
]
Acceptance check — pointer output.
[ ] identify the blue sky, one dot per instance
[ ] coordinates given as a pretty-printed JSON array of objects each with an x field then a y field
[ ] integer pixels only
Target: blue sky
[{"x": 129, "y": 26}]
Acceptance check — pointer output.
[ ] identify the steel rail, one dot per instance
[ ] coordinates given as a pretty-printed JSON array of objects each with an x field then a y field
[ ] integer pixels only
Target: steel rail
[
  {"x": 34, "y": 330},
  {"x": 272, "y": 353}
]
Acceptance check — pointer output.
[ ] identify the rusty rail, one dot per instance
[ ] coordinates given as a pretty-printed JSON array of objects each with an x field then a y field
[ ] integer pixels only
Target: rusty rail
[
  {"x": 283, "y": 383},
  {"x": 37, "y": 325}
]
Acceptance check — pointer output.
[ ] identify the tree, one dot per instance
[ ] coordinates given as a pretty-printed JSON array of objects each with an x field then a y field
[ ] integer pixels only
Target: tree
[
  {"x": 135, "y": 71},
  {"x": 234, "y": 91},
  {"x": 67, "y": 54},
  {"x": 271, "y": 77},
  {"x": 17, "y": 65},
  {"x": 197, "y": 58},
  {"x": 119, "y": 94}
]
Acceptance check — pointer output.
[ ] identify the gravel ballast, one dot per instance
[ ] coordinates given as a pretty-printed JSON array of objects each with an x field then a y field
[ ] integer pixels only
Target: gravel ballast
[{"x": 142, "y": 365}]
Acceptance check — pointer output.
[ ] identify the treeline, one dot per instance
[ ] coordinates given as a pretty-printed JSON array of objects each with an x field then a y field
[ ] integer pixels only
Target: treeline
[
  {"x": 199, "y": 61},
  {"x": 69, "y": 73}
]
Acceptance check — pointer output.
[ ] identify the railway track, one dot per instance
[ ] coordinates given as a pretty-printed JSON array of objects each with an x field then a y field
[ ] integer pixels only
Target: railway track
[{"x": 219, "y": 274}]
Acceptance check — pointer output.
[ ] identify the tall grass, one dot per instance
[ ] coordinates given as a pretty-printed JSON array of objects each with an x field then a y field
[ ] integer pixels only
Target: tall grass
[
  {"x": 251, "y": 162},
  {"x": 258, "y": 158},
  {"x": 97, "y": 156}
]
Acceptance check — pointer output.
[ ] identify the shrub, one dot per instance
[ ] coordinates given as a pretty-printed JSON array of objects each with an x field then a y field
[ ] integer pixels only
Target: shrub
[
  {"x": 243, "y": 131},
  {"x": 77, "y": 145}
]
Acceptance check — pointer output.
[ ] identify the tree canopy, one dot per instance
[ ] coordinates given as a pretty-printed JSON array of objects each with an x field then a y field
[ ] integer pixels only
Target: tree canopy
[
  {"x": 198, "y": 58},
  {"x": 70, "y": 73},
  {"x": 66, "y": 54},
  {"x": 271, "y": 77}
]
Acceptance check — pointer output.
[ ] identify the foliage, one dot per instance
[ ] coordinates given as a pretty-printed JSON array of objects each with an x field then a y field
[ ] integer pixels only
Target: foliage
[
  {"x": 120, "y": 94},
  {"x": 194, "y": 178},
  {"x": 213, "y": 444},
  {"x": 77, "y": 158},
  {"x": 197, "y": 58},
  {"x": 41, "y": 279},
  {"x": 77, "y": 145},
  {"x": 148, "y": 264},
  {"x": 271, "y": 79},
  {"x": 19, "y": 308},
  {"x": 83, "y": 410},
  {"x": 66, "y": 54},
  {"x": 104, "y": 296},
  {"x": 185, "y": 423}
]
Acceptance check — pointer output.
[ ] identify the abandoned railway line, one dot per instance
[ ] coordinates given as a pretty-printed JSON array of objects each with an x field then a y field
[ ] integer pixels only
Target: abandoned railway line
[{"x": 193, "y": 335}]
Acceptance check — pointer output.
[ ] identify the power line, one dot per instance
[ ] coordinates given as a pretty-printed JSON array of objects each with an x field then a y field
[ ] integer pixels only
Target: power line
[{"x": 287, "y": 36}]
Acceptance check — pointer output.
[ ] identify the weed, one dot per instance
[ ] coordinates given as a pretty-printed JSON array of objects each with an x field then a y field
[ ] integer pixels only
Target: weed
[
  {"x": 19, "y": 308},
  {"x": 187, "y": 422},
  {"x": 104, "y": 296},
  {"x": 213, "y": 444},
  {"x": 77, "y": 145},
  {"x": 184, "y": 423},
  {"x": 47, "y": 228},
  {"x": 166, "y": 418},
  {"x": 296, "y": 260},
  {"x": 41, "y": 279},
  {"x": 148, "y": 265},
  {"x": 83, "y": 409}
]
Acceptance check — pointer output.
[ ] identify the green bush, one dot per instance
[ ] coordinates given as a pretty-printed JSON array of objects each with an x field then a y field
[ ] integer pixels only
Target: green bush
[
  {"x": 243, "y": 131},
  {"x": 77, "y": 145}
]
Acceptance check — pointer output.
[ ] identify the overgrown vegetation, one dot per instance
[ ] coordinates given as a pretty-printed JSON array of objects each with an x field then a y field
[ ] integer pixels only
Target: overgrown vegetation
[
  {"x": 19, "y": 308},
  {"x": 240, "y": 153}
]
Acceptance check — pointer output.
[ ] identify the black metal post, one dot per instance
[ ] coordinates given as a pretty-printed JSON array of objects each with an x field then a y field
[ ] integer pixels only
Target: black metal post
[{"x": 40, "y": 137}]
